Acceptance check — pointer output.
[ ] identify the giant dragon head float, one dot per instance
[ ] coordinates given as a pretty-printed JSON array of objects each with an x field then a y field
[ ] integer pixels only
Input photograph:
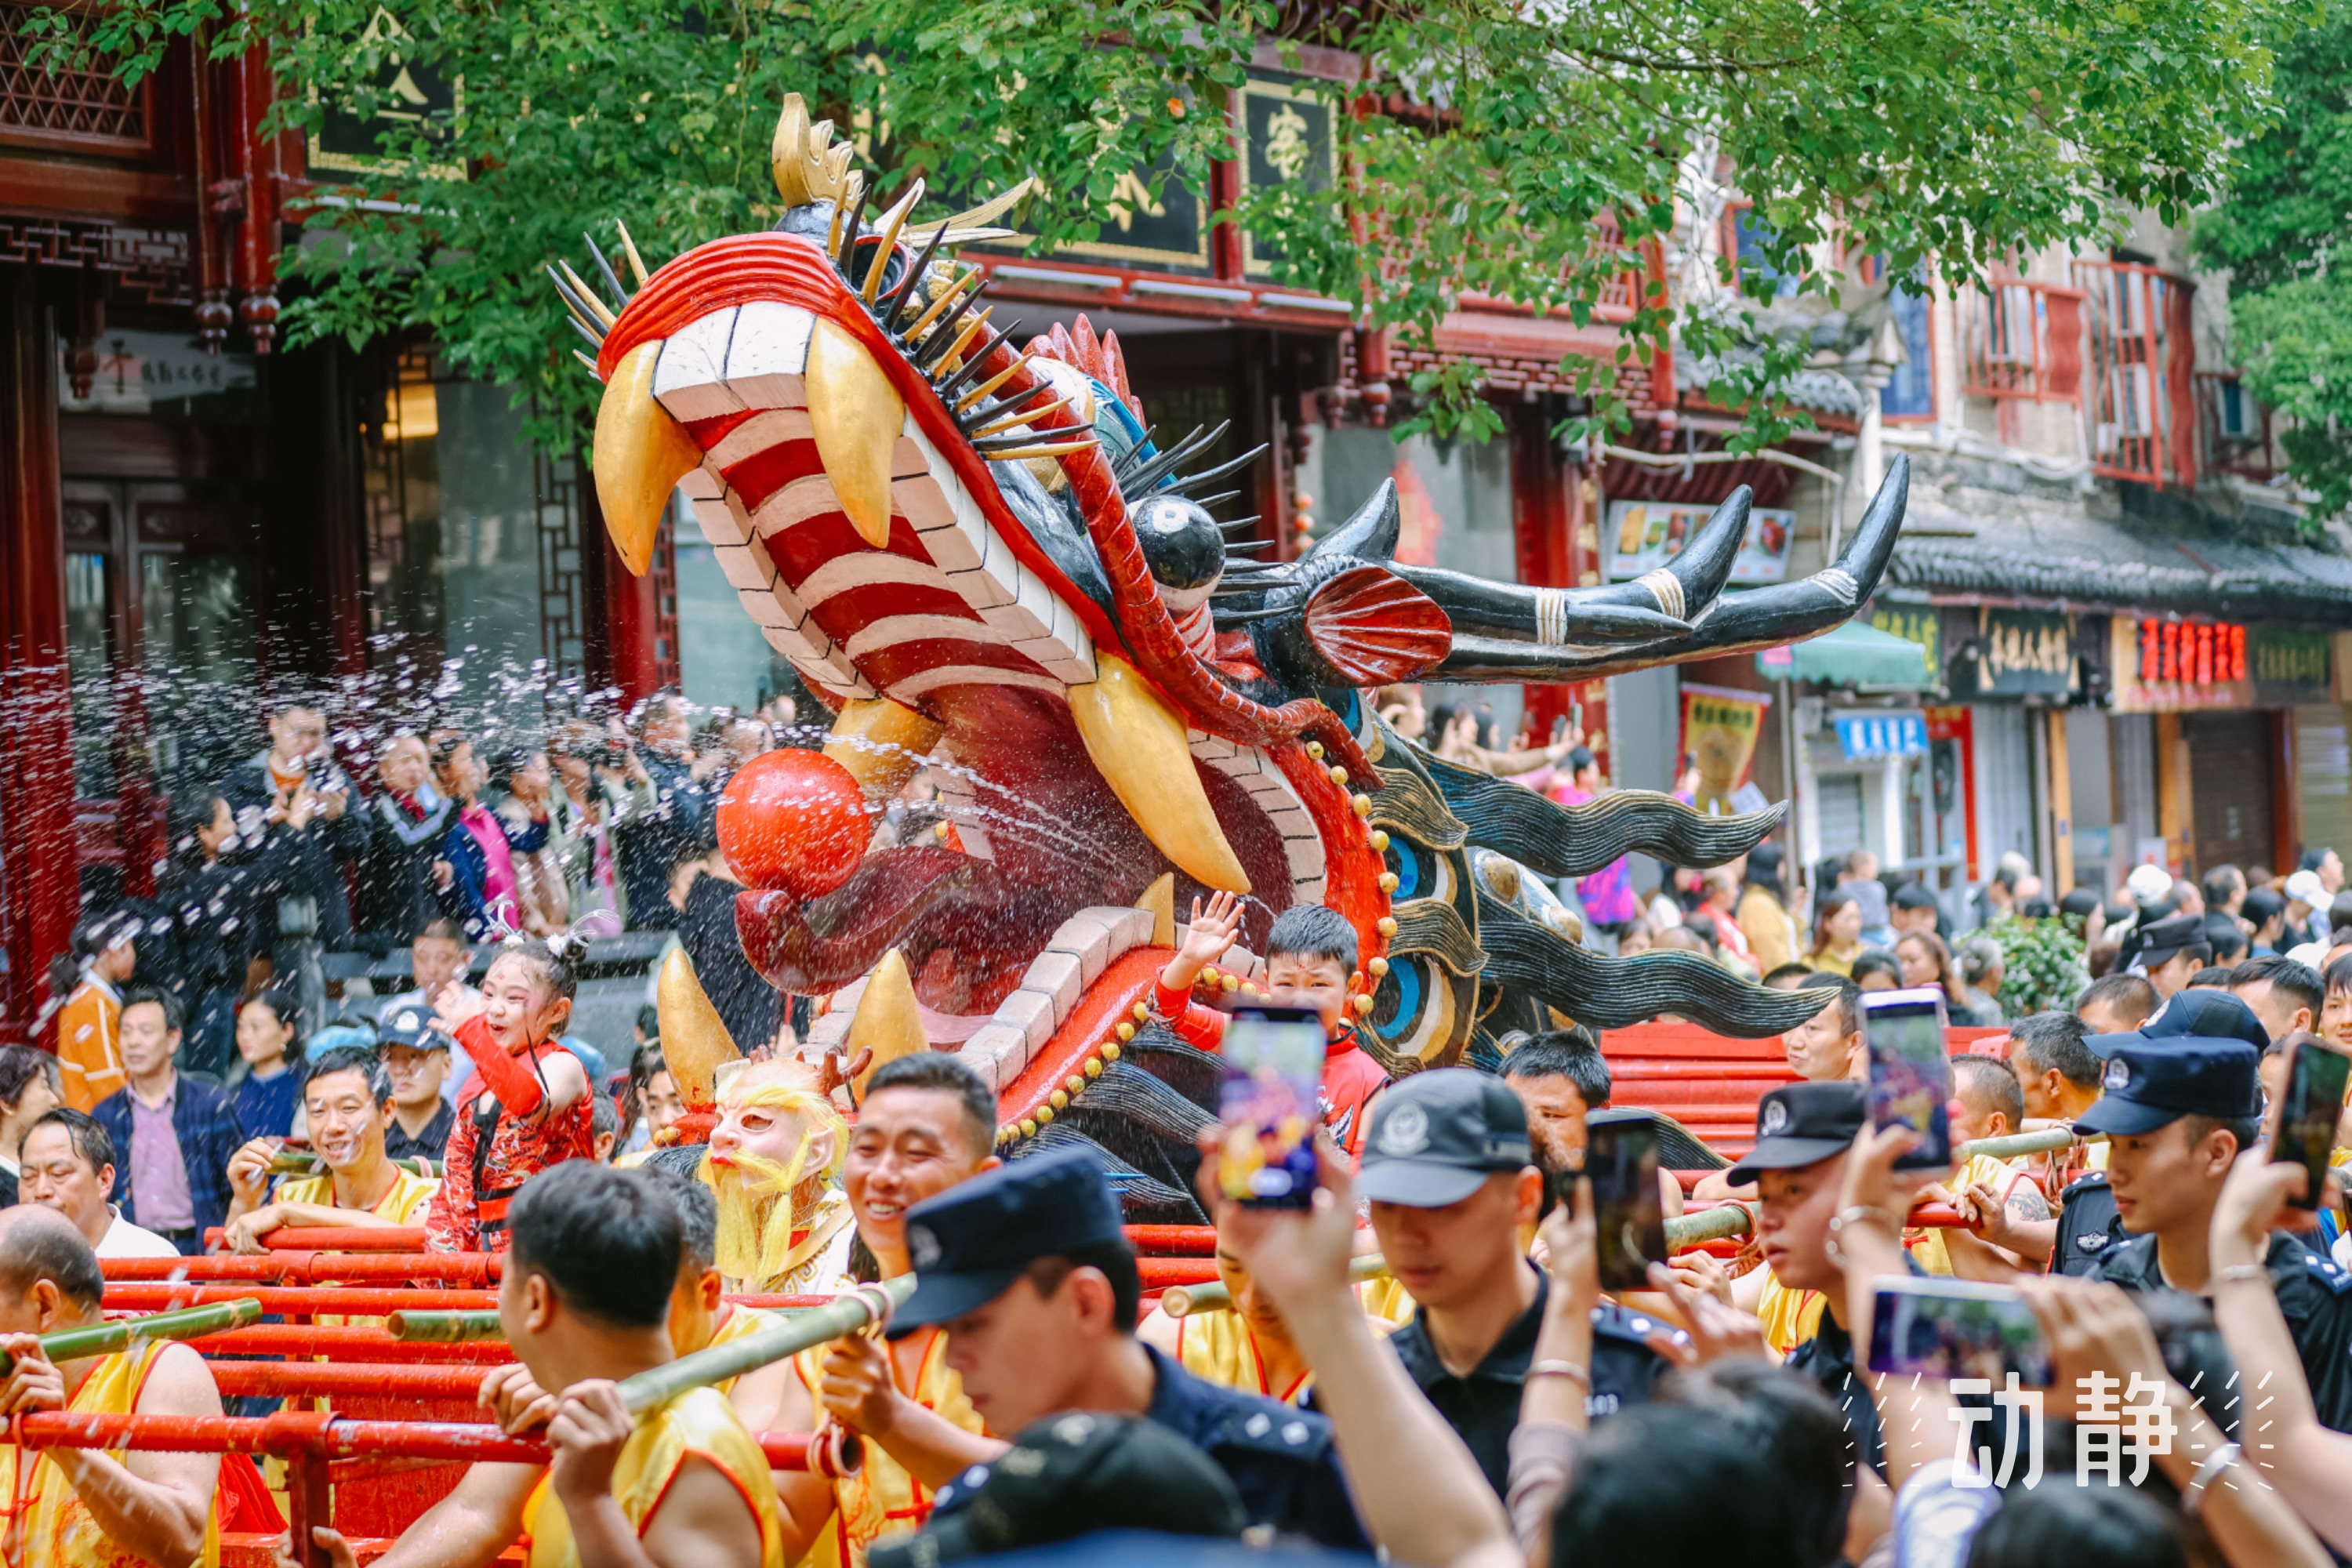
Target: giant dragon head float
[{"x": 979, "y": 554}]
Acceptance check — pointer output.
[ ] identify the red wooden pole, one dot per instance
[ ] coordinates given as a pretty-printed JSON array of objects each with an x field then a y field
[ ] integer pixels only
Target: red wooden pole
[
  {"x": 290, "y": 1433},
  {"x": 348, "y": 1380},
  {"x": 289, "y": 1300},
  {"x": 337, "y": 1238},
  {"x": 345, "y": 1343},
  {"x": 468, "y": 1269}
]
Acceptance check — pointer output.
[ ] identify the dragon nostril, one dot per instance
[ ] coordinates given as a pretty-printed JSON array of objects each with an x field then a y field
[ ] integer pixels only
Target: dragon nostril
[{"x": 1180, "y": 541}]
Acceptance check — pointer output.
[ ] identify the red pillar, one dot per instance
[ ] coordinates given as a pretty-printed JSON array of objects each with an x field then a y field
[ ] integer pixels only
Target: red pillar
[
  {"x": 633, "y": 644},
  {"x": 39, "y": 879},
  {"x": 1548, "y": 521}
]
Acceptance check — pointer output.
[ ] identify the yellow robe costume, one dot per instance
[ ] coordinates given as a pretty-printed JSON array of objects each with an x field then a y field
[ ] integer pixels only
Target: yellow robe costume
[
  {"x": 404, "y": 1203},
  {"x": 698, "y": 1423},
  {"x": 882, "y": 1499},
  {"x": 48, "y": 1524},
  {"x": 1219, "y": 1347}
]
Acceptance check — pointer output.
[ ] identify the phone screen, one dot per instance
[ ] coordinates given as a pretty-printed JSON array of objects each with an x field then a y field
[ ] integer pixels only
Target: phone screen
[
  {"x": 1620, "y": 1156},
  {"x": 1955, "y": 1328},
  {"x": 1910, "y": 1071},
  {"x": 1270, "y": 1101},
  {"x": 2308, "y": 1112}
]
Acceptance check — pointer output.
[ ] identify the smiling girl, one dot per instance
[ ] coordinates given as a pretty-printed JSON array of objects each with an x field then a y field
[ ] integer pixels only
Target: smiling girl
[{"x": 527, "y": 1105}]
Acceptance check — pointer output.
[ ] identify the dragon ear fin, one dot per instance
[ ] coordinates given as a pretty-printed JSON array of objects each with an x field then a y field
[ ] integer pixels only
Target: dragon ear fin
[
  {"x": 1370, "y": 535},
  {"x": 995, "y": 207}
]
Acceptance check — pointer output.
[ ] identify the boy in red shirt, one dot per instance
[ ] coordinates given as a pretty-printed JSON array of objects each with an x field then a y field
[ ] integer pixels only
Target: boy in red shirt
[{"x": 1310, "y": 962}]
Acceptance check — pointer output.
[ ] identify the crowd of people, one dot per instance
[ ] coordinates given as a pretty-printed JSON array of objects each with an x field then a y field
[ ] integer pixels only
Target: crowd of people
[{"x": 1478, "y": 1400}]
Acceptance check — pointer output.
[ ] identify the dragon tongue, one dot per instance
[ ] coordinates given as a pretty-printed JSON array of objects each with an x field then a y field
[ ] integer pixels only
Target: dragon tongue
[
  {"x": 1137, "y": 743},
  {"x": 641, "y": 453}
]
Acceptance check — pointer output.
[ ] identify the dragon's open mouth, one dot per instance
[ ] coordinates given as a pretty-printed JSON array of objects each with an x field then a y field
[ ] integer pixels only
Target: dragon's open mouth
[
  {"x": 974, "y": 553},
  {"x": 931, "y": 592}
]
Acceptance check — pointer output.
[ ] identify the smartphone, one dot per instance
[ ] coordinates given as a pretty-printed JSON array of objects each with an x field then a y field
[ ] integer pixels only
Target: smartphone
[
  {"x": 1910, "y": 1070},
  {"x": 1620, "y": 1156},
  {"x": 1270, "y": 1103},
  {"x": 1957, "y": 1328},
  {"x": 2308, "y": 1112}
]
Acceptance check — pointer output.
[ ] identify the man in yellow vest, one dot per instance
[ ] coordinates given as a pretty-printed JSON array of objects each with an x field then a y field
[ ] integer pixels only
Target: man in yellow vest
[
  {"x": 83, "y": 1507},
  {"x": 928, "y": 1122},
  {"x": 347, "y": 1106},
  {"x": 683, "y": 1485}
]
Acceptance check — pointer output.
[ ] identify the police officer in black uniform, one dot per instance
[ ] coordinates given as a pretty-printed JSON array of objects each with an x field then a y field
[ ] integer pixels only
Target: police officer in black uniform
[
  {"x": 2088, "y": 1223},
  {"x": 1803, "y": 1133},
  {"x": 2176, "y": 1110},
  {"x": 1441, "y": 1139},
  {"x": 972, "y": 1244}
]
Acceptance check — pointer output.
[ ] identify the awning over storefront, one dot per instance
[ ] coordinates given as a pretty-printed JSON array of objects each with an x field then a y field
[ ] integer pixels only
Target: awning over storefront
[
  {"x": 1852, "y": 655},
  {"x": 2040, "y": 548}
]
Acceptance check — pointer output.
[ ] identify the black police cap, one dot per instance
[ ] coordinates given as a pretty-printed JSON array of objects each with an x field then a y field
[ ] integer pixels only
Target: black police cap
[
  {"x": 1802, "y": 1124},
  {"x": 1436, "y": 1136},
  {"x": 1067, "y": 1475},
  {"x": 2205, "y": 1014},
  {"x": 971, "y": 1242},
  {"x": 2155, "y": 1083}
]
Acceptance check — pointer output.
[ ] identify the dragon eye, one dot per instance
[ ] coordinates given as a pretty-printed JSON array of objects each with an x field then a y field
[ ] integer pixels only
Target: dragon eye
[{"x": 1180, "y": 541}]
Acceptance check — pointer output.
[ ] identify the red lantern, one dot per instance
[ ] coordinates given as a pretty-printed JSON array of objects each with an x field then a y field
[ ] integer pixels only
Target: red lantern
[{"x": 793, "y": 821}]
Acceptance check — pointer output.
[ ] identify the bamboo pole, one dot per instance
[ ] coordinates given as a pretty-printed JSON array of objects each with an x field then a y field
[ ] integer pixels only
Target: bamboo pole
[
  {"x": 104, "y": 1339},
  {"x": 1183, "y": 1300},
  {"x": 846, "y": 1314},
  {"x": 2043, "y": 1141},
  {"x": 443, "y": 1328}
]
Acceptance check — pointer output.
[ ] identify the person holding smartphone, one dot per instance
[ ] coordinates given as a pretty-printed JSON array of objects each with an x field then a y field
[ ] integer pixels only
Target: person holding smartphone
[{"x": 2177, "y": 1113}]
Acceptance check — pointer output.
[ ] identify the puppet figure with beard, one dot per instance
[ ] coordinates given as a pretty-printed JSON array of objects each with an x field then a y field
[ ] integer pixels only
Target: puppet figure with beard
[{"x": 784, "y": 1226}]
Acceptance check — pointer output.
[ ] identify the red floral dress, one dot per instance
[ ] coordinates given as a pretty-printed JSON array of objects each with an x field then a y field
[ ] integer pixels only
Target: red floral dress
[{"x": 491, "y": 1154}]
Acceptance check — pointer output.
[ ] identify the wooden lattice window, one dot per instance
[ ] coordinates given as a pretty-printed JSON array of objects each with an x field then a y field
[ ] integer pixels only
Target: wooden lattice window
[{"x": 79, "y": 109}]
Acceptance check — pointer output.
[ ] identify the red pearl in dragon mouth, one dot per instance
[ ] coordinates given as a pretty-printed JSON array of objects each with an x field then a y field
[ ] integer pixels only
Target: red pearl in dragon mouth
[{"x": 793, "y": 821}]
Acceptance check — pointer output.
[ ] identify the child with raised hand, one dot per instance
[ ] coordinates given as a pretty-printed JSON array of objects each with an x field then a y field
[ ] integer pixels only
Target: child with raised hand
[
  {"x": 527, "y": 1105},
  {"x": 1310, "y": 962}
]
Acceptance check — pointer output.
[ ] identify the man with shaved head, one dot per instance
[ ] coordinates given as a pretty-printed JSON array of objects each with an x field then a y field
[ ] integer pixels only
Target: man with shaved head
[{"x": 80, "y": 1507}]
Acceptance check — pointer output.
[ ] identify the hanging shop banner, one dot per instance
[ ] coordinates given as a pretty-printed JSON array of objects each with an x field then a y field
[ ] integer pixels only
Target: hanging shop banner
[
  {"x": 1646, "y": 534},
  {"x": 2023, "y": 653},
  {"x": 1921, "y": 624},
  {"x": 1873, "y": 737},
  {"x": 2290, "y": 666},
  {"x": 2177, "y": 666},
  {"x": 1718, "y": 734}
]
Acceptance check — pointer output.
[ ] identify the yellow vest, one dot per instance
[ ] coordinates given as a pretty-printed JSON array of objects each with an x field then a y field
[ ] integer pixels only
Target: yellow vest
[
  {"x": 698, "y": 1423},
  {"x": 882, "y": 1499},
  {"x": 1219, "y": 1347},
  {"x": 1789, "y": 1316},
  {"x": 404, "y": 1203},
  {"x": 741, "y": 1320},
  {"x": 1996, "y": 1175},
  {"x": 48, "y": 1524}
]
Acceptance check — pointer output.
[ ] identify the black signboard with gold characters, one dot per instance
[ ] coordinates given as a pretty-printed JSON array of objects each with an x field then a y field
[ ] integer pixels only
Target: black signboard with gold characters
[
  {"x": 1156, "y": 223},
  {"x": 409, "y": 93},
  {"x": 2020, "y": 653},
  {"x": 1286, "y": 140}
]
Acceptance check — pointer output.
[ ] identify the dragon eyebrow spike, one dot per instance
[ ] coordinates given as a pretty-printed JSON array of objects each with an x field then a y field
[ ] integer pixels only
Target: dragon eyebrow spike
[
  {"x": 1057, "y": 449},
  {"x": 1130, "y": 464},
  {"x": 912, "y": 282},
  {"x": 1248, "y": 522},
  {"x": 1150, "y": 474},
  {"x": 1003, "y": 421},
  {"x": 989, "y": 444},
  {"x": 594, "y": 342},
  {"x": 629, "y": 249},
  {"x": 1184, "y": 482},
  {"x": 972, "y": 363},
  {"x": 1248, "y": 546},
  {"x": 977, "y": 403},
  {"x": 954, "y": 330},
  {"x": 582, "y": 316},
  {"x": 972, "y": 326},
  {"x": 584, "y": 296},
  {"x": 841, "y": 236},
  {"x": 584, "y": 360},
  {"x": 948, "y": 301},
  {"x": 1205, "y": 502},
  {"x": 612, "y": 278},
  {"x": 886, "y": 240}
]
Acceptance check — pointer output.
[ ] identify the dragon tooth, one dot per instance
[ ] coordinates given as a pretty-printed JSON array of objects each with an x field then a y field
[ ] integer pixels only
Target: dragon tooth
[
  {"x": 888, "y": 1021},
  {"x": 1139, "y": 745},
  {"x": 641, "y": 452},
  {"x": 857, "y": 416},
  {"x": 882, "y": 744},
  {"x": 695, "y": 1041}
]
